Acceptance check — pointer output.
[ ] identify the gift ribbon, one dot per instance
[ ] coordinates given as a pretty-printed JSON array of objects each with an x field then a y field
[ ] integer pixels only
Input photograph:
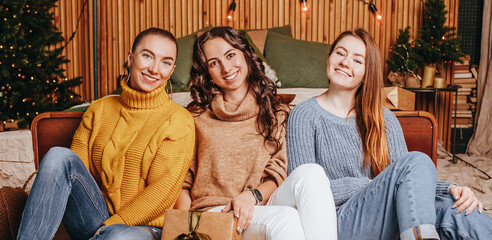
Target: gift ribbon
[{"x": 194, "y": 219}]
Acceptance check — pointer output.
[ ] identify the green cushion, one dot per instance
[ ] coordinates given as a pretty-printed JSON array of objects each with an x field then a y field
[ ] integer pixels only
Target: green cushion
[
  {"x": 284, "y": 30},
  {"x": 181, "y": 75},
  {"x": 297, "y": 63}
]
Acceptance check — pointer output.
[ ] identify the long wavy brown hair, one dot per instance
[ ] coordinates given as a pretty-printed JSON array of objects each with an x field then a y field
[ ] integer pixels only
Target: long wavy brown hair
[
  {"x": 369, "y": 105},
  {"x": 203, "y": 90}
]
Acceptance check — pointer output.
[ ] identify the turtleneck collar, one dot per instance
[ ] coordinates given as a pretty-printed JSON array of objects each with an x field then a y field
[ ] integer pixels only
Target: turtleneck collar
[
  {"x": 142, "y": 100},
  {"x": 248, "y": 108}
]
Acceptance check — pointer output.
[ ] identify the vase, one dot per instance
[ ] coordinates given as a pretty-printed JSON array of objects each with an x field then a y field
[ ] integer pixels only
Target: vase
[{"x": 428, "y": 78}]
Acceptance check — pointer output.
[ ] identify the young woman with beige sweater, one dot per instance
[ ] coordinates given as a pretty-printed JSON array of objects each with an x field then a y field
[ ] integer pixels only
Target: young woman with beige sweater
[{"x": 240, "y": 161}]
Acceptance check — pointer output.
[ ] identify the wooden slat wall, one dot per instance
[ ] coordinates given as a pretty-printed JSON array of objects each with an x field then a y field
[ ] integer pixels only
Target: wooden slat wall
[{"x": 119, "y": 21}]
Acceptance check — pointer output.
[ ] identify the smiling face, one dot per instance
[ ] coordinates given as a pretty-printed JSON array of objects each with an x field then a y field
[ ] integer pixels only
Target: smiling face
[
  {"x": 345, "y": 67},
  {"x": 226, "y": 65},
  {"x": 152, "y": 63}
]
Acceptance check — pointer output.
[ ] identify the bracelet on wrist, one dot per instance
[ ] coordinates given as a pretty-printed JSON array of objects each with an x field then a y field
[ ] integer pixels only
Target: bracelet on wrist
[{"x": 257, "y": 195}]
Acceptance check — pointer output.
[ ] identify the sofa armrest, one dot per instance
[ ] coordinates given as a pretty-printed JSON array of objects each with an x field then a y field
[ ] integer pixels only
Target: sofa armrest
[
  {"x": 420, "y": 131},
  {"x": 52, "y": 129}
]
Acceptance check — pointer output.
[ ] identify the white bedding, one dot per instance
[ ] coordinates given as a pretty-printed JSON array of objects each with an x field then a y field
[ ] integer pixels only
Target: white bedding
[{"x": 302, "y": 94}]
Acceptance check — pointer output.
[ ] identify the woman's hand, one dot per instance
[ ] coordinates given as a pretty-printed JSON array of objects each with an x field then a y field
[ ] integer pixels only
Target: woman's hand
[
  {"x": 465, "y": 199},
  {"x": 97, "y": 232},
  {"x": 243, "y": 206}
]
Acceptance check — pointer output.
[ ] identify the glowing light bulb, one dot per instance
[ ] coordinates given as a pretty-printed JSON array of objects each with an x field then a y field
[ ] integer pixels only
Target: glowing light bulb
[
  {"x": 304, "y": 5},
  {"x": 230, "y": 12}
]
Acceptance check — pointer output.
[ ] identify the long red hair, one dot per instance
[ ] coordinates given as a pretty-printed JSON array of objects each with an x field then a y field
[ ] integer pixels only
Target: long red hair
[{"x": 369, "y": 105}]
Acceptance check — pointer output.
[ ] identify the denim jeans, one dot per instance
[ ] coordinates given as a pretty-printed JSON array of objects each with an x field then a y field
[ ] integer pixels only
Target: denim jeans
[
  {"x": 397, "y": 202},
  {"x": 451, "y": 226},
  {"x": 401, "y": 202},
  {"x": 64, "y": 190}
]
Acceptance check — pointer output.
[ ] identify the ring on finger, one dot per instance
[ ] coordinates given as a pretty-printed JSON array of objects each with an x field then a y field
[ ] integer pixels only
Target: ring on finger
[{"x": 236, "y": 215}]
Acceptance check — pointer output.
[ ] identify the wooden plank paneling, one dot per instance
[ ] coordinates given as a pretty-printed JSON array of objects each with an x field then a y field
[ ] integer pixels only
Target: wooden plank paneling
[{"x": 119, "y": 21}]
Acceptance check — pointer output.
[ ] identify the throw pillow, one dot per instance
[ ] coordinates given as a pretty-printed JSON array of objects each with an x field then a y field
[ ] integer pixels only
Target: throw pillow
[
  {"x": 297, "y": 63},
  {"x": 181, "y": 75},
  {"x": 283, "y": 30}
]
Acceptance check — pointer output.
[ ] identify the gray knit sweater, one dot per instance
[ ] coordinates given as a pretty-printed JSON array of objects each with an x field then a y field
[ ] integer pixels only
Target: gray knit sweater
[{"x": 316, "y": 136}]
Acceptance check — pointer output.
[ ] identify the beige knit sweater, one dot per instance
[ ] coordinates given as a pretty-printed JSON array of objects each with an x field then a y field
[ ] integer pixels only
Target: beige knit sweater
[{"x": 231, "y": 155}]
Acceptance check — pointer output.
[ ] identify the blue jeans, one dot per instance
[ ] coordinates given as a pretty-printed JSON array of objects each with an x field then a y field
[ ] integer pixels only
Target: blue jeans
[
  {"x": 451, "y": 226},
  {"x": 64, "y": 190},
  {"x": 401, "y": 202}
]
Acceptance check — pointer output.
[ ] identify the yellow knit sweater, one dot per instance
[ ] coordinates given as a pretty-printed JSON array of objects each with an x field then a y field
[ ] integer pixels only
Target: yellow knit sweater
[{"x": 138, "y": 147}]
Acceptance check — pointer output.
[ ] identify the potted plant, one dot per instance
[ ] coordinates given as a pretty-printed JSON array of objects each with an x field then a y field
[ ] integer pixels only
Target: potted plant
[{"x": 436, "y": 43}]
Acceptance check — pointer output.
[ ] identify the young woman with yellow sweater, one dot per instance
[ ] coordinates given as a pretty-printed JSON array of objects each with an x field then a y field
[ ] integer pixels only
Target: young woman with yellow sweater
[
  {"x": 240, "y": 162},
  {"x": 127, "y": 161}
]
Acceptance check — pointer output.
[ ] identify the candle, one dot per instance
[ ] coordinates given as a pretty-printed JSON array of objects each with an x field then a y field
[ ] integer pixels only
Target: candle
[
  {"x": 439, "y": 82},
  {"x": 429, "y": 73}
]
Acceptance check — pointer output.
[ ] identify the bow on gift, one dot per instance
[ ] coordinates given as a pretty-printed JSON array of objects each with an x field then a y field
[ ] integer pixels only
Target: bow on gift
[{"x": 194, "y": 219}]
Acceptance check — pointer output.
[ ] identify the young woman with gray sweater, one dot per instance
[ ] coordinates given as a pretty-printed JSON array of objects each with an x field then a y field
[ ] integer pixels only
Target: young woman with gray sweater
[{"x": 381, "y": 190}]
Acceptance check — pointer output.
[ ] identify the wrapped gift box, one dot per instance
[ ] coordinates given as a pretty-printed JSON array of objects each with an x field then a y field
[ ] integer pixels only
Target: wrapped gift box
[
  {"x": 16, "y": 157},
  {"x": 397, "y": 98},
  {"x": 218, "y": 226}
]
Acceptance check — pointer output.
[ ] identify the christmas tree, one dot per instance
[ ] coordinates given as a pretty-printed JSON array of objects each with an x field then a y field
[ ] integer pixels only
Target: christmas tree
[
  {"x": 436, "y": 42},
  {"x": 31, "y": 78},
  {"x": 402, "y": 59}
]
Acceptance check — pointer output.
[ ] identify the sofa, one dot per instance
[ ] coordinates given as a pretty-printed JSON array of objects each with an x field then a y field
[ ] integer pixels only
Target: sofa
[{"x": 297, "y": 67}]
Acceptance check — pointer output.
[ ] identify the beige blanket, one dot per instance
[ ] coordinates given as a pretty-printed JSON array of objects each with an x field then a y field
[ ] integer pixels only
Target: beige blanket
[{"x": 468, "y": 172}]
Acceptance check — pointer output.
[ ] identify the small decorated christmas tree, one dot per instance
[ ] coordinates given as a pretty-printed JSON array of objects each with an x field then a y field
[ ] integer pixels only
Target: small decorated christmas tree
[
  {"x": 402, "y": 59},
  {"x": 436, "y": 43},
  {"x": 402, "y": 62},
  {"x": 32, "y": 80}
]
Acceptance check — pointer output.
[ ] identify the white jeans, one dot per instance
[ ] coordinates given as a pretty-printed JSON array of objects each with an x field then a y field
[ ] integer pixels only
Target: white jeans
[{"x": 302, "y": 207}]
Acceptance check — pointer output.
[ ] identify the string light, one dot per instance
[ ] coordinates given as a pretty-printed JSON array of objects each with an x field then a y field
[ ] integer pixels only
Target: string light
[
  {"x": 373, "y": 9},
  {"x": 304, "y": 5},
  {"x": 230, "y": 12}
]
